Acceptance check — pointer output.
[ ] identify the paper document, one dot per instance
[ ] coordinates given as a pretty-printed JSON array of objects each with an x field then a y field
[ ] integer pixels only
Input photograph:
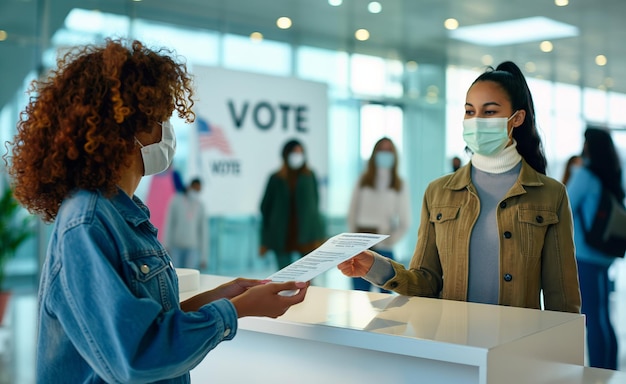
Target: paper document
[{"x": 335, "y": 250}]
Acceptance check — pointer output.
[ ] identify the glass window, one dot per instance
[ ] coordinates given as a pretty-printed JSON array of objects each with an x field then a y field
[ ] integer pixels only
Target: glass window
[
  {"x": 263, "y": 56},
  {"x": 617, "y": 109},
  {"x": 379, "y": 121},
  {"x": 375, "y": 76},
  {"x": 323, "y": 65},
  {"x": 457, "y": 82},
  {"x": 196, "y": 46},
  {"x": 594, "y": 105}
]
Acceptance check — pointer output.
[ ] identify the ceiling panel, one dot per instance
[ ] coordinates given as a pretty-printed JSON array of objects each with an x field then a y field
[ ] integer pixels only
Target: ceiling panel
[{"x": 405, "y": 29}]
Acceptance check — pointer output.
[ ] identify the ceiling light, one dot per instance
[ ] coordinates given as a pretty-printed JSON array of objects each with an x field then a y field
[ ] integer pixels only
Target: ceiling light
[
  {"x": 451, "y": 24},
  {"x": 335, "y": 3},
  {"x": 546, "y": 46},
  {"x": 609, "y": 82},
  {"x": 601, "y": 60},
  {"x": 411, "y": 66},
  {"x": 514, "y": 31},
  {"x": 362, "y": 34},
  {"x": 374, "y": 7},
  {"x": 487, "y": 59},
  {"x": 256, "y": 36},
  {"x": 530, "y": 67},
  {"x": 283, "y": 22},
  {"x": 561, "y": 3},
  {"x": 3, "y": 35}
]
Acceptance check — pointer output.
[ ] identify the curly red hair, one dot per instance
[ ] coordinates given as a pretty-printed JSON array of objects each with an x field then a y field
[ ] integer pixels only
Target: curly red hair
[{"x": 77, "y": 131}]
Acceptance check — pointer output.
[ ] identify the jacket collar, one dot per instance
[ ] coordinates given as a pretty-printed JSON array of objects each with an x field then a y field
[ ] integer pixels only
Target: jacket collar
[
  {"x": 132, "y": 209},
  {"x": 461, "y": 179}
]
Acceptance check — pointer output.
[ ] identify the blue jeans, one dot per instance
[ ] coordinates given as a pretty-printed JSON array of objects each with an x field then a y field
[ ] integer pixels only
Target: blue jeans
[
  {"x": 594, "y": 290},
  {"x": 363, "y": 285}
]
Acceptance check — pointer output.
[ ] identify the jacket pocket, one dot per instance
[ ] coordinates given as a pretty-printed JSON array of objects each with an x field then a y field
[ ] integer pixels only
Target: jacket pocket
[
  {"x": 440, "y": 215},
  {"x": 445, "y": 221},
  {"x": 153, "y": 278},
  {"x": 534, "y": 224}
]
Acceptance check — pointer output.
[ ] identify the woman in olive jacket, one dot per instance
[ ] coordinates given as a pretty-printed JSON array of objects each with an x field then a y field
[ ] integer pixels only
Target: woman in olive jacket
[
  {"x": 497, "y": 231},
  {"x": 291, "y": 220}
]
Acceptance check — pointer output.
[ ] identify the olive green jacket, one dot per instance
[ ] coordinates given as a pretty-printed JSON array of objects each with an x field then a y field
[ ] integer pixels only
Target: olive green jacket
[
  {"x": 275, "y": 211},
  {"x": 536, "y": 246}
]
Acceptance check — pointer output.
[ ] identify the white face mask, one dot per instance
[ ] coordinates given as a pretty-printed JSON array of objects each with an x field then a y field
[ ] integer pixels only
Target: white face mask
[
  {"x": 157, "y": 157},
  {"x": 486, "y": 136},
  {"x": 295, "y": 160}
]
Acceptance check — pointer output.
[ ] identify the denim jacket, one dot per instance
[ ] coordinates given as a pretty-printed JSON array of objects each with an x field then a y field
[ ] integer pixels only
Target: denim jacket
[
  {"x": 536, "y": 244},
  {"x": 108, "y": 300}
]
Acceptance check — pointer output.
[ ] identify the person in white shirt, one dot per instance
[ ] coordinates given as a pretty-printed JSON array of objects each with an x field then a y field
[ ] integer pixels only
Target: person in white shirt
[
  {"x": 380, "y": 203},
  {"x": 186, "y": 229}
]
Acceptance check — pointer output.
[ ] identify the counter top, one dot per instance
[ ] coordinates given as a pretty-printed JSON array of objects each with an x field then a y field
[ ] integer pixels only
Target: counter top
[{"x": 495, "y": 340}]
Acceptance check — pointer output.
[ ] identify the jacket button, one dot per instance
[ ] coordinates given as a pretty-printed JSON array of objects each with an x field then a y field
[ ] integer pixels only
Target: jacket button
[
  {"x": 539, "y": 219},
  {"x": 145, "y": 269},
  {"x": 508, "y": 277},
  {"x": 439, "y": 216},
  {"x": 503, "y": 204},
  {"x": 226, "y": 332},
  {"x": 394, "y": 285},
  {"x": 507, "y": 235}
]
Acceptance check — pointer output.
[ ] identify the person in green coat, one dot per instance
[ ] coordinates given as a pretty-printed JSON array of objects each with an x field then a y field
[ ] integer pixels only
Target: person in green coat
[{"x": 291, "y": 221}]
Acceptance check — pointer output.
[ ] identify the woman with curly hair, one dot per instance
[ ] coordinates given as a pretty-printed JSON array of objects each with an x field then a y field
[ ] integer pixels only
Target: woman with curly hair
[{"x": 108, "y": 301}]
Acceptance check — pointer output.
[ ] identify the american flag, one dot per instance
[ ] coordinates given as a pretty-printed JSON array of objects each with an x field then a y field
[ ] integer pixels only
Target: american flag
[{"x": 212, "y": 136}]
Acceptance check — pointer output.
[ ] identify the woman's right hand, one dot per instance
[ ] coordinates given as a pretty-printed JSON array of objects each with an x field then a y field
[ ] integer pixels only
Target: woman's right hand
[
  {"x": 264, "y": 300},
  {"x": 357, "y": 266}
]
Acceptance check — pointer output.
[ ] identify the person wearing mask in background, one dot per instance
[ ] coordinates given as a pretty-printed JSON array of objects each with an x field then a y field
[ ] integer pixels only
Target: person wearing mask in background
[
  {"x": 456, "y": 163},
  {"x": 291, "y": 221},
  {"x": 601, "y": 168},
  {"x": 380, "y": 203},
  {"x": 498, "y": 230},
  {"x": 109, "y": 306},
  {"x": 572, "y": 165},
  {"x": 186, "y": 228}
]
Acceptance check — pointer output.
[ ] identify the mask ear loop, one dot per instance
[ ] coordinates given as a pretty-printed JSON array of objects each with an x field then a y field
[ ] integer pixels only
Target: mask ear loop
[
  {"x": 510, "y": 133},
  {"x": 138, "y": 142}
]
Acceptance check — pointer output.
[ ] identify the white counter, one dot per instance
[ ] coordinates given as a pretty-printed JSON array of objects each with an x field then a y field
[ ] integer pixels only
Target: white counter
[{"x": 360, "y": 337}]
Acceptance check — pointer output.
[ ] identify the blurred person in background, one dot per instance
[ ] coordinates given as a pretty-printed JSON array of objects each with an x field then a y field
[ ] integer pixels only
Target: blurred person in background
[
  {"x": 291, "y": 220},
  {"x": 187, "y": 229},
  {"x": 572, "y": 165},
  {"x": 601, "y": 169},
  {"x": 380, "y": 203}
]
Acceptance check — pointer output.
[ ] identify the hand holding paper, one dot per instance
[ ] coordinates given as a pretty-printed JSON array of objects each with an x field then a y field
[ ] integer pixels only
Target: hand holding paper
[{"x": 335, "y": 250}]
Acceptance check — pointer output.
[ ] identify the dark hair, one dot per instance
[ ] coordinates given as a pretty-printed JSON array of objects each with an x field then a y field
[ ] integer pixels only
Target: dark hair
[
  {"x": 289, "y": 147},
  {"x": 511, "y": 79},
  {"x": 602, "y": 159},
  {"x": 369, "y": 176}
]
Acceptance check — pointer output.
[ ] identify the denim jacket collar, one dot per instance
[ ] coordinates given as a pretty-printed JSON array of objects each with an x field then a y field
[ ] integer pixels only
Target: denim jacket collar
[{"x": 133, "y": 210}]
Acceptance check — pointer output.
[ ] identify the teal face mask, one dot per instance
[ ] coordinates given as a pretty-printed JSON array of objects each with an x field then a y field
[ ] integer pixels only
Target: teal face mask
[
  {"x": 385, "y": 159},
  {"x": 486, "y": 136}
]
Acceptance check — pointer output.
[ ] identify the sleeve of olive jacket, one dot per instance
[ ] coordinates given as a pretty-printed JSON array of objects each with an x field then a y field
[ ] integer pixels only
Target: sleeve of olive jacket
[
  {"x": 559, "y": 278},
  {"x": 425, "y": 275}
]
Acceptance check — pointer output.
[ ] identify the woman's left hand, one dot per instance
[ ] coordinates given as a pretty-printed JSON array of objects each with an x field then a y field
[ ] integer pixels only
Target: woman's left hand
[
  {"x": 225, "y": 291},
  {"x": 236, "y": 287}
]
